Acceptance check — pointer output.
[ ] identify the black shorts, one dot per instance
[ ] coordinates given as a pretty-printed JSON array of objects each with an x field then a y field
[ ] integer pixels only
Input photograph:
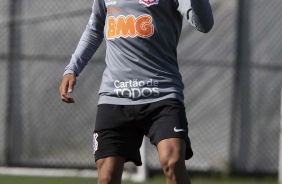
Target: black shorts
[{"x": 119, "y": 129}]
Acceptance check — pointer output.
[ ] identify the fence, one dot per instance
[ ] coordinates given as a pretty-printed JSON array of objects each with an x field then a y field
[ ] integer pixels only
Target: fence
[{"x": 232, "y": 78}]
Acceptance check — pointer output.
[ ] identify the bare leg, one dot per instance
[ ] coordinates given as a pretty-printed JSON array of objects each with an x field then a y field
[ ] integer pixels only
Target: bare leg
[
  {"x": 172, "y": 158},
  {"x": 110, "y": 170}
]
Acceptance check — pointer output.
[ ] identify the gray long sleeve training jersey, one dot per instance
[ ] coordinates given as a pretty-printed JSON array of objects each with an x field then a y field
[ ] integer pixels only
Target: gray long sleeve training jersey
[{"x": 141, "y": 40}]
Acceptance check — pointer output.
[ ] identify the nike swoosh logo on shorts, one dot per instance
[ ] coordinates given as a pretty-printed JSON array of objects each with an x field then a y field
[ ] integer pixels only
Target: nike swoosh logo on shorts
[{"x": 178, "y": 130}]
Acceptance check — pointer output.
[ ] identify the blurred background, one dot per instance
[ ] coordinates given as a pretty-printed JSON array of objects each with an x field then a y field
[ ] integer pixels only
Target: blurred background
[{"x": 232, "y": 77}]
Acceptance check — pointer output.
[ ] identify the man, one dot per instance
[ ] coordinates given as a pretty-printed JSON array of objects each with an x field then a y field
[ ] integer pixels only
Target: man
[{"x": 141, "y": 91}]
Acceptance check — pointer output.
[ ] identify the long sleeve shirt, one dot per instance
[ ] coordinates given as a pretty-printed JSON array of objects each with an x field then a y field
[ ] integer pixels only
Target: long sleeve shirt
[{"x": 141, "y": 41}]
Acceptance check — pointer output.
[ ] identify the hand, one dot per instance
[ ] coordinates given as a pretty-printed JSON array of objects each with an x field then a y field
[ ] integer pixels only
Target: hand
[{"x": 66, "y": 87}]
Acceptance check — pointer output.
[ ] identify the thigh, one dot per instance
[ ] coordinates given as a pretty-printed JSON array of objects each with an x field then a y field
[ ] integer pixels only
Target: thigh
[
  {"x": 170, "y": 122},
  {"x": 113, "y": 135},
  {"x": 171, "y": 148}
]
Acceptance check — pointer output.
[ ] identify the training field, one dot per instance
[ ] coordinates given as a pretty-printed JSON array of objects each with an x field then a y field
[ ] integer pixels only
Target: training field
[{"x": 154, "y": 180}]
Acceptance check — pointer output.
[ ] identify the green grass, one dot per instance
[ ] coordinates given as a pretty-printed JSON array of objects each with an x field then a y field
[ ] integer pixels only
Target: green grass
[{"x": 155, "y": 180}]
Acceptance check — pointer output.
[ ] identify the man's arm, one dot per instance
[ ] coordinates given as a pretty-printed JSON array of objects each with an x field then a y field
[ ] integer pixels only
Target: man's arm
[
  {"x": 198, "y": 13},
  {"x": 90, "y": 40}
]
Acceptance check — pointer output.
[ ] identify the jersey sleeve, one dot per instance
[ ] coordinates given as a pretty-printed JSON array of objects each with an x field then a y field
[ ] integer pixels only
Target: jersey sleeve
[
  {"x": 90, "y": 40},
  {"x": 198, "y": 13}
]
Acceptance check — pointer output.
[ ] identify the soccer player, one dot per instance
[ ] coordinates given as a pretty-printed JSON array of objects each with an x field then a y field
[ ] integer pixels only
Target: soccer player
[{"x": 141, "y": 92}]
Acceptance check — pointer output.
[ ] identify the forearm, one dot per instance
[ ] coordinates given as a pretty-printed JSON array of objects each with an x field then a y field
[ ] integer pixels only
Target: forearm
[
  {"x": 201, "y": 15},
  {"x": 87, "y": 46}
]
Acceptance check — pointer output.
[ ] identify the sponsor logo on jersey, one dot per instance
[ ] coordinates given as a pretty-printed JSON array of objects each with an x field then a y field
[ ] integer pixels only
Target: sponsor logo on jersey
[
  {"x": 110, "y": 2},
  {"x": 129, "y": 26},
  {"x": 113, "y": 10},
  {"x": 136, "y": 89},
  {"x": 95, "y": 142},
  {"x": 149, "y": 2}
]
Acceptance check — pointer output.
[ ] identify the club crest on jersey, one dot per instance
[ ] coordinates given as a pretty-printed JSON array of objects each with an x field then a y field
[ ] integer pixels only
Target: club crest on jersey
[{"x": 149, "y": 2}]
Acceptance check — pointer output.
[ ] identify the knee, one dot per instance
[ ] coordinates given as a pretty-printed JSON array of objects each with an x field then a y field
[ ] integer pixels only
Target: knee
[
  {"x": 175, "y": 170},
  {"x": 105, "y": 178},
  {"x": 170, "y": 166},
  {"x": 108, "y": 177},
  {"x": 110, "y": 170},
  {"x": 172, "y": 159}
]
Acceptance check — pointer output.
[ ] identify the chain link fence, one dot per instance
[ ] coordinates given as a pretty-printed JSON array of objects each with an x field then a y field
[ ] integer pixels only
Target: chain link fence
[{"x": 232, "y": 97}]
